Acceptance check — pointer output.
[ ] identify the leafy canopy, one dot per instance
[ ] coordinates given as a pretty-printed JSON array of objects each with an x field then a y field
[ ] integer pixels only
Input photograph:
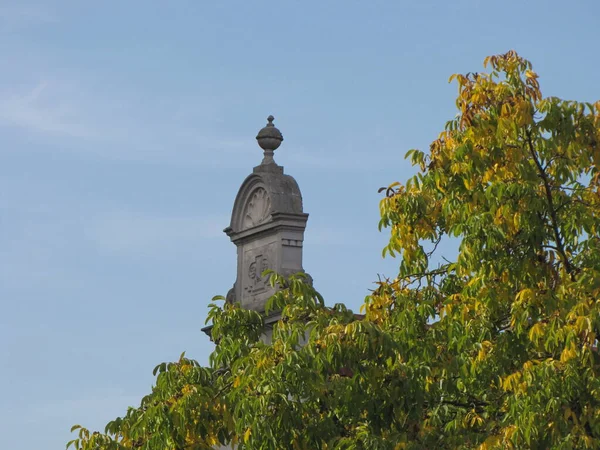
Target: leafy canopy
[{"x": 494, "y": 349}]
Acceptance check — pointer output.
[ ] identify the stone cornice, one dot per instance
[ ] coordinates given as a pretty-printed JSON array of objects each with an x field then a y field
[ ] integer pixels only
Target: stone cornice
[{"x": 279, "y": 221}]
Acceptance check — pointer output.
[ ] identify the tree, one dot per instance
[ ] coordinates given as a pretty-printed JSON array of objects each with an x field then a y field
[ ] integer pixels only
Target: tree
[{"x": 496, "y": 348}]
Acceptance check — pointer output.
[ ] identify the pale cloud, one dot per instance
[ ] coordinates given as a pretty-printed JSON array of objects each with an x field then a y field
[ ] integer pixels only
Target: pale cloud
[
  {"x": 338, "y": 160},
  {"x": 352, "y": 153},
  {"x": 319, "y": 159},
  {"x": 33, "y": 242},
  {"x": 338, "y": 236},
  {"x": 47, "y": 233},
  {"x": 31, "y": 266},
  {"x": 18, "y": 16},
  {"x": 43, "y": 252},
  {"x": 106, "y": 126},
  {"x": 329, "y": 236},
  {"x": 109, "y": 403},
  {"x": 126, "y": 232},
  {"x": 92, "y": 409},
  {"x": 43, "y": 108}
]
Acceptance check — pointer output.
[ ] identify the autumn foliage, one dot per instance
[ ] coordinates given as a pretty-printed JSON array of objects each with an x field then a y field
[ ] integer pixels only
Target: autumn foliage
[{"x": 493, "y": 348}]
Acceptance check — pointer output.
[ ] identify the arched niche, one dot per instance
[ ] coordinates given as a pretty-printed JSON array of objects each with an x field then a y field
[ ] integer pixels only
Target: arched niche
[{"x": 261, "y": 195}]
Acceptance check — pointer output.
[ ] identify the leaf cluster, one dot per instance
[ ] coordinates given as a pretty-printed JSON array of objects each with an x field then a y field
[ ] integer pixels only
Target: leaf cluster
[{"x": 494, "y": 348}]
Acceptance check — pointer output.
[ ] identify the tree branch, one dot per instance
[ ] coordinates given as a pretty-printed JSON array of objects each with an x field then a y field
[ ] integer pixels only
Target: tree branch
[{"x": 548, "y": 190}]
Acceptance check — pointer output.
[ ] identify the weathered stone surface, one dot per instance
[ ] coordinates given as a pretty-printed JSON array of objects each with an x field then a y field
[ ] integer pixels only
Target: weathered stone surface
[
  {"x": 267, "y": 226},
  {"x": 269, "y": 139}
]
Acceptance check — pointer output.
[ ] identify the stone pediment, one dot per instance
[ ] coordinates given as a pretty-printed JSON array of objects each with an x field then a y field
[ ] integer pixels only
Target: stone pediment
[
  {"x": 267, "y": 191},
  {"x": 267, "y": 226}
]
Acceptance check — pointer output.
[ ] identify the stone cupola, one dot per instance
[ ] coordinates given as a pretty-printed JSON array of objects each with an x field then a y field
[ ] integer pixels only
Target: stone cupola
[{"x": 267, "y": 225}]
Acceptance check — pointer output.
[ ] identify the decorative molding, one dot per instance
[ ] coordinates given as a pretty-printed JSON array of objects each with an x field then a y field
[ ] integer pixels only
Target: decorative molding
[
  {"x": 291, "y": 242},
  {"x": 258, "y": 209},
  {"x": 256, "y": 282}
]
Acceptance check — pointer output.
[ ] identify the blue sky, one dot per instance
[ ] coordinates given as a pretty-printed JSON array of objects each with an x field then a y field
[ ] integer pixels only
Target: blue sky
[{"x": 126, "y": 128}]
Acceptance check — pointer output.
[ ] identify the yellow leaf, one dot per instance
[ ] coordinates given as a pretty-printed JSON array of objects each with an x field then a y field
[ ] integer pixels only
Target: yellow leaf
[
  {"x": 487, "y": 176},
  {"x": 428, "y": 383},
  {"x": 530, "y": 74},
  {"x": 524, "y": 295},
  {"x": 583, "y": 324},
  {"x": 247, "y": 435},
  {"x": 483, "y": 352},
  {"x": 536, "y": 332},
  {"x": 568, "y": 353},
  {"x": 517, "y": 220},
  {"x": 509, "y": 432}
]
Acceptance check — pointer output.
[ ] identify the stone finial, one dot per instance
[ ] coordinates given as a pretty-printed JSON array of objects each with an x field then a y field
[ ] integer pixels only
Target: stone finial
[{"x": 269, "y": 139}]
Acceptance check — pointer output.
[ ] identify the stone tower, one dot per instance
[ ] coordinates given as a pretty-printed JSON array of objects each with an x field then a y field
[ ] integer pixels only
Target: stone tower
[{"x": 267, "y": 225}]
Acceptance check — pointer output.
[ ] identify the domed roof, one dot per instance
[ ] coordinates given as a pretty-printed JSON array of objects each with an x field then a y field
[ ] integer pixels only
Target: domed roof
[{"x": 265, "y": 192}]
